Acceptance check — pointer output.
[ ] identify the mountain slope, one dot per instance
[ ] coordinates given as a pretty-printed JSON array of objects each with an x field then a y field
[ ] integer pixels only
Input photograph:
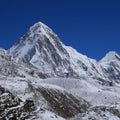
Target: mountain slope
[
  {"x": 111, "y": 66},
  {"x": 9, "y": 68},
  {"x": 76, "y": 84},
  {"x": 41, "y": 47}
]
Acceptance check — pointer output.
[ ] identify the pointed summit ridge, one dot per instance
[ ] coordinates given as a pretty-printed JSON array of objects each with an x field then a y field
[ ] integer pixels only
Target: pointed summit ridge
[
  {"x": 40, "y": 27},
  {"x": 39, "y": 24},
  {"x": 41, "y": 47},
  {"x": 38, "y": 35},
  {"x": 37, "y": 27}
]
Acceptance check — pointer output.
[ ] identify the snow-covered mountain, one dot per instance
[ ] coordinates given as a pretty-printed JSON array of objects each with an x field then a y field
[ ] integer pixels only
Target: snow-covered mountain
[
  {"x": 42, "y": 48},
  {"x": 111, "y": 66},
  {"x": 48, "y": 78}
]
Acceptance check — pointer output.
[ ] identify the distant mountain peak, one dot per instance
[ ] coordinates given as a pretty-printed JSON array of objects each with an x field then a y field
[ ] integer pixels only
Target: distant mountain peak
[
  {"x": 37, "y": 35},
  {"x": 41, "y": 48},
  {"x": 110, "y": 56}
]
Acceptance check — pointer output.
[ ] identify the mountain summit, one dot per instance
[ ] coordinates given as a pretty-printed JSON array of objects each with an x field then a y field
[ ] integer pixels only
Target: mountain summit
[
  {"x": 43, "y": 49},
  {"x": 111, "y": 56}
]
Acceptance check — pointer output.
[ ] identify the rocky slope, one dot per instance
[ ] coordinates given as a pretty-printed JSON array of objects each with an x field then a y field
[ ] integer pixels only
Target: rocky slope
[{"x": 11, "y": 107}]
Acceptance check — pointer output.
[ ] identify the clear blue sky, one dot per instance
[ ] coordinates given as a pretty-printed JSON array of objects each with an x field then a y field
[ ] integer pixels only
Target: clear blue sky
[{"x": 90, "y": 26}]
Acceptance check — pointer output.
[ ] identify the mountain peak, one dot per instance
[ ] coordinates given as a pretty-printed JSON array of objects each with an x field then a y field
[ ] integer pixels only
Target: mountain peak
[
  {"x": 40, "y": 27},
  {"x": 40, "y": 34},
  {"x": 38, "y": 24},
  {"x": 41, "y": 48},
  {"x": 110, "y": 56}
]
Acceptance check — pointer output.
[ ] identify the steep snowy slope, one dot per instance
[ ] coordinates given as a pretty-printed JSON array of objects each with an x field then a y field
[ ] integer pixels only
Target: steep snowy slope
[
  {"x": 9, "y": 68},
  {"x": 41, "y": 47},
  {"x": 111, "y": 66}
]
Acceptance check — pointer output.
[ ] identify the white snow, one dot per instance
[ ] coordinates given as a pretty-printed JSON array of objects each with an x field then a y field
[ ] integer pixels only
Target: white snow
[
  {"x": 47, "y": 115},
  {"x": 110, "y": 56},
  {"x": 89, "y": 89}
]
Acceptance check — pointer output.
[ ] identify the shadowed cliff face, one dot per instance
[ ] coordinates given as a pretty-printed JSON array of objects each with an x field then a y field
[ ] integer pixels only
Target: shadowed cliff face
[
  {"x": 58, "y": 100},
  {"x": 63, "y": 103}
]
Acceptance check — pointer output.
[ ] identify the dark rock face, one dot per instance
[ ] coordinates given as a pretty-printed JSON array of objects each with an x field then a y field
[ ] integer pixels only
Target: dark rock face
[
  {"x": 12, "y": 107},
  {"x": 29, "y": 106},
  {"x": 64, "y": 103}
]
